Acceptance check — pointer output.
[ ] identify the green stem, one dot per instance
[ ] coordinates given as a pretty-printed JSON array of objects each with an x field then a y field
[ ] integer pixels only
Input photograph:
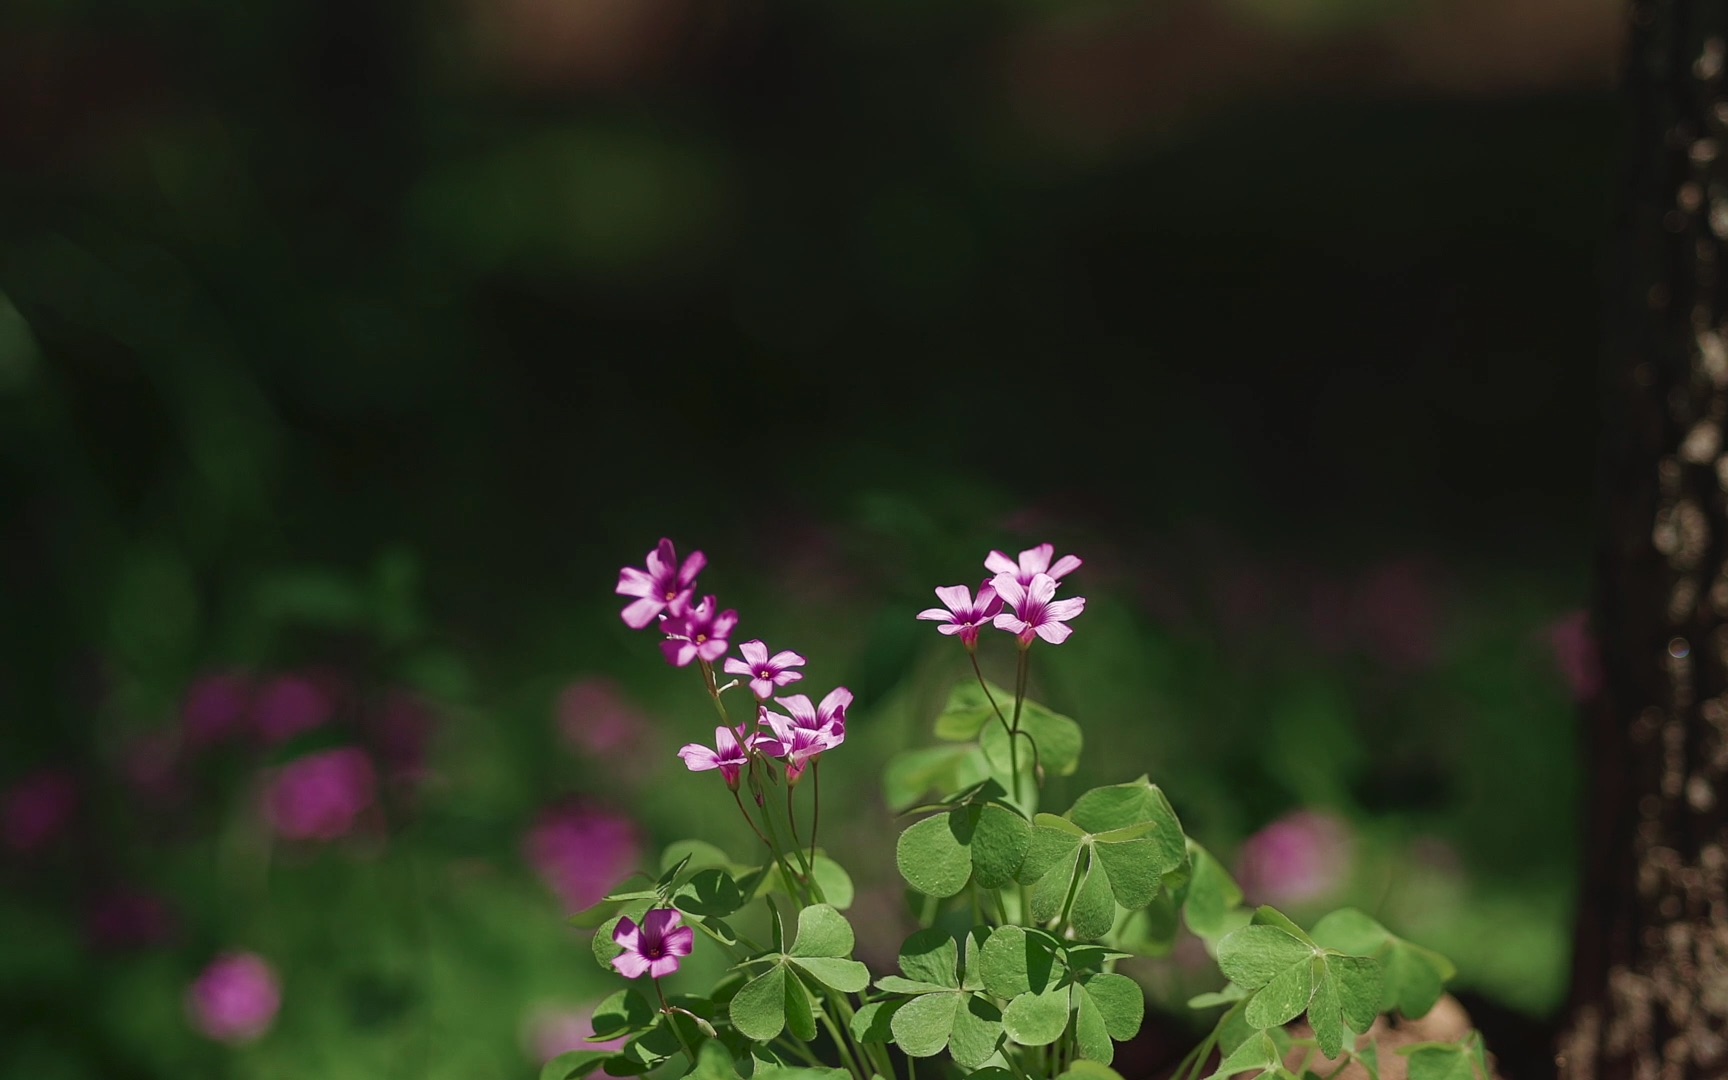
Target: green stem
[
  {"x": 1001, "y": 908},
  {"x": 713, "y": 688},
  {"x": 747, "y": 819},
  {"x": 800, "y": 1050},
  {"x": 672, "y": 1021},
  {"x": 844, "y": 1047},
  {"x": 1021, "y": 668},
  {"x": 815, "y": 810},
  {"x": 876, "y": 1053},
  {"x": 786, "y": 875}
]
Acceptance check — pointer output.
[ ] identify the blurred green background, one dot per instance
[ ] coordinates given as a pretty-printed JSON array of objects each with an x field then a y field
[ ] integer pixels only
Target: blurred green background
[{"x": 348, "y": 349}]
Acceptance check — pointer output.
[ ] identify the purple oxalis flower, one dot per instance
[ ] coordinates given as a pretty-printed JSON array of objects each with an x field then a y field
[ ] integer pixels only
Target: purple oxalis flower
[
  {"x": 38, "y": 810},
  {"x": 1033, "y": 561},
  {"x": 235, "y": 999},
  {"x": 1035, "y": 609},
  {"x": 964, "y": 615},
  {"x": 698, "y": 632},
  {"x": 766, "y": 672},
  {"x": 654, "y": 948},
  {"x": 665, "y": 588},
  {"x": 215, "y": 707},
  {"x": 808, "y": 732},
  {"x": 288, "y": 705},
  {"x": 728, "y": 754},
  {"x": 1301, "y": 857}
]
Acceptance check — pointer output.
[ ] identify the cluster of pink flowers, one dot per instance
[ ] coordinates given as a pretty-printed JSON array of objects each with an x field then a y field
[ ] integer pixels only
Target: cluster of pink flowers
[
  {"x": 1020, "y": 598},
  {"x": 582, "y": 852},
  {"x": 320, "y": 796},
  {"x": 665, "y": 594}
]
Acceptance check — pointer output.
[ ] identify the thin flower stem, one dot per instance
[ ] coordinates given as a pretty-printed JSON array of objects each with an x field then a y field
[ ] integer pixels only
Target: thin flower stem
[
  {"x": 672, "y": 1022},
  {"x": 844, "y": 1047},
  {"x": 799, "y": 1049},
  {"x": 1020, "y": 671},
  {"x": 713, "y": 688},
  {"x": 1001, "y": 908},
  {"x": 786, "y": 874},
  {"x": 792, "y": 820},
  {"x": 815, "y": 810},
  {"x": 747, "y": 819},
  {"x": 875, "y": 1053},
  {"x": 984, "y": 686}
]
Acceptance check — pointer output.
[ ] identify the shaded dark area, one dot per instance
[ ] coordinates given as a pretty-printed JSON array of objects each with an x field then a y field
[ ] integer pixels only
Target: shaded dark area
[{"x": 360, "y": 345}]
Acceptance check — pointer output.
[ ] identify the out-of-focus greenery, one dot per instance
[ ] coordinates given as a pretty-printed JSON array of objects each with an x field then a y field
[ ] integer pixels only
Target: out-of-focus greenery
[{"x": 372, "y": 340}]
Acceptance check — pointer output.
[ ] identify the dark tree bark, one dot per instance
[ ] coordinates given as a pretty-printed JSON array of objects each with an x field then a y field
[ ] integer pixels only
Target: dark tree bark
[{"x": 1650, "y": 978}]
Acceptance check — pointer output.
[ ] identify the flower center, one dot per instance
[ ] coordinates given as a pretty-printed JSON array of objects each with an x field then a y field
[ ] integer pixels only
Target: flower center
[
  {"x": 700, "y": 638},
  {"x": 671, "y": 595},
  {"x": 654, "y": 952}
]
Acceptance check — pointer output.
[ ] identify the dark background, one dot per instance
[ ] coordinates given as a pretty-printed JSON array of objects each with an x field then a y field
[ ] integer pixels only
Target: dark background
[{"x": 307, "y": 311}]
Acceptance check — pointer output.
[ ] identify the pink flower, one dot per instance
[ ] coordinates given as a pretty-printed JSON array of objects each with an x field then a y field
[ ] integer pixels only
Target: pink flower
[
  {"x": 664, "y": 588},
  {"x": 1035, "y": 609},
  {"x": 1033, "y": 561},
  {"x": 235, "y": 999},
  {"x": 582, "y": 853},
  {"x": 288, "y": 705},
  {"x": 1576, "y": 654},
  {"x": 698, "y": 632},
  {"x": 766, "y": 672},
  {"x": 553, "y": 1031},
  {"x": 214, "y": 708},
  {"x": 964, "y": 615},
  {"x": 400, "y": 731},
  {"x": 655, "y": 947},
  {"x": 808, "y": 732},
  {"x": 128, "y": 918},
  {"x": 38, "y": 810},
  {"x": 728, "y": 755},
  {"x": 319, "y": 796},
  {"x": 1300, "y": 857}
]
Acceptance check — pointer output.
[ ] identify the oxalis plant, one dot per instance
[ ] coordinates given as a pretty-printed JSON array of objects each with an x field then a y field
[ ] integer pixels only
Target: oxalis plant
[{"x": 1026, "y": 913}]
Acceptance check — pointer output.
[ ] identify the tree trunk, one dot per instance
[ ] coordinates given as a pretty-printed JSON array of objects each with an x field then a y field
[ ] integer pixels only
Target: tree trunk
[{"x": 1650, "y": 977}]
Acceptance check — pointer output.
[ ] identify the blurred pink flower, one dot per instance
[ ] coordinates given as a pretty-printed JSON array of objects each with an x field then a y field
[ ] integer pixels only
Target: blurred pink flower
[
  {"x": 129, "y": 918},
  {"x": 37, "y": 810},
  {"x": 288, "y": 705},
  {"x": 319, "y": 796},
  {"x": 235, "y": 999},
  {"x": 553, "y": 1030},
  {"x": 215, "y": 706},
  {"x": 1576, "y": 654},
  {"x": 1302, "y": 856},
  {"x": 582, "y": 852},
  {"x": 595, "y": 718}
]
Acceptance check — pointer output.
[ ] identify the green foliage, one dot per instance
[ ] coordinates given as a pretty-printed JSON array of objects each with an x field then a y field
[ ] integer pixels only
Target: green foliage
[{"x": 1412, "y": 975}]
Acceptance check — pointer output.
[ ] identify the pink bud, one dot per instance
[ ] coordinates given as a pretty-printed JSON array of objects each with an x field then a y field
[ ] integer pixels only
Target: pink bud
[{"x": 235, "y": 999}]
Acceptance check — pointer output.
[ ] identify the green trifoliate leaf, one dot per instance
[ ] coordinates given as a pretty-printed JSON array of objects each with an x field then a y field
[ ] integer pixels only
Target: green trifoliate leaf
[
  {"x": 800, "y": 1017},
  {"x": 1120, "y": 1002},
  {"x": 871, "y": 1023},
  {"x": 999, "y": 845},
  {"x": 977, "y": 1032},
  {"x": 931, "y": 957},
  {"x": 1440, "y": 1061},
  {"x": 1151, "y": 931},
  {"x": 623, "y": 1013},
  {"x": 894, "y": 984},
  {"x": 1283, "y": 998},
  {"x": 1359, "y": 988},
  {"x": 1369, "y": 1057},
  {"x": 1050, "y": 891},
  {"x": 1058, "y": 739},
  {"x": 1093, "y": 912},
  {"x": 1265, "y": 915},
  {"x": 922, "y": 1026},
  {"x": 835, "y": 882},
  {"x": 822, "y": 931},
  {"x": 1211, "y": 896},
  {"x": 1257, "y": 1053},
  {"x": 759, "y": 1008},
  {"x": 1037, "y": 1019},
  {"x": 969, "y": 709},
  {"x": 713, "y": 1062},
  {"x": 1325, "y": 1013},
  {"x": 574, "y": 1064},
  {"x": 847, "y": 976},
  {"x": 669, "y": 878},
  {"x": 1090, "y": 1034},
  {"x": 934, "y": 854},
  {"x": 1412, "y": 977},
  {"x": 1254, "y": 955},
  {"x": 709, "y": 892},
  {"x": 1016, "y": 961}
]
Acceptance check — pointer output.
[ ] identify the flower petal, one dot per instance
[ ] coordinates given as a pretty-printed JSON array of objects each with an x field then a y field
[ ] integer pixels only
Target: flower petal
[
  {"x": 1007, "y": 621},
  {"x": 803, "y": 713},
  {"x": 735, "y": 666},
  {"x": 640, "y": 613},
  {"x": 1036, "y": 560},
  {"x": 1054, "y": 632},
  {"x": 942, "y": 614},
  {"x": 1063, "y": 610},
  {"x": 627, "y": 934},
  {"x": 692, "y": 566},
  {"x": 754, "y": 651},
  {"x": 957, "y": 597},
  {"x": 663, "y": 967},
  {"x": 633, "y": 582},
  {"x": 631, "y": 965},
  {"x": 1066, "y": 565},
  {"x": 998, "y": 563},
  {"x": 835, "y": 704},
  {"x": 787, "y": 658},
  {"x": 699, "y": 758},
  {"x": 1008, "y": 589},
  {"x": 680, "y": 941}
]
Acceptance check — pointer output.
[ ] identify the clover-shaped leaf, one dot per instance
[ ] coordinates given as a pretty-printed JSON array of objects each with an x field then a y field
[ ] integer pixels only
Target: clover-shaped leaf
[
  {"x": 1107, "y": 1007},
  {"x": 709, "y": 892},
  {"x": 985, "y": 840},
  {"x": 912, "y": 773},
  {"x": 777, "y": 999},
  {"x": 1211, "y": 896},
  {"x": 1441, "y": 1061},
  {"x": 623, "y": 1013},
  {"x": 1016, "y": 961},
  {"x": 1290, "y": 973},
  {"x": 1257, "y": 1053},
  {"x": 945, "y": 1010},
  {"x": 1058, "y": 739},
  {"x": 1113, "y": 847},
  {"x": 1411, "y": 976}
]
